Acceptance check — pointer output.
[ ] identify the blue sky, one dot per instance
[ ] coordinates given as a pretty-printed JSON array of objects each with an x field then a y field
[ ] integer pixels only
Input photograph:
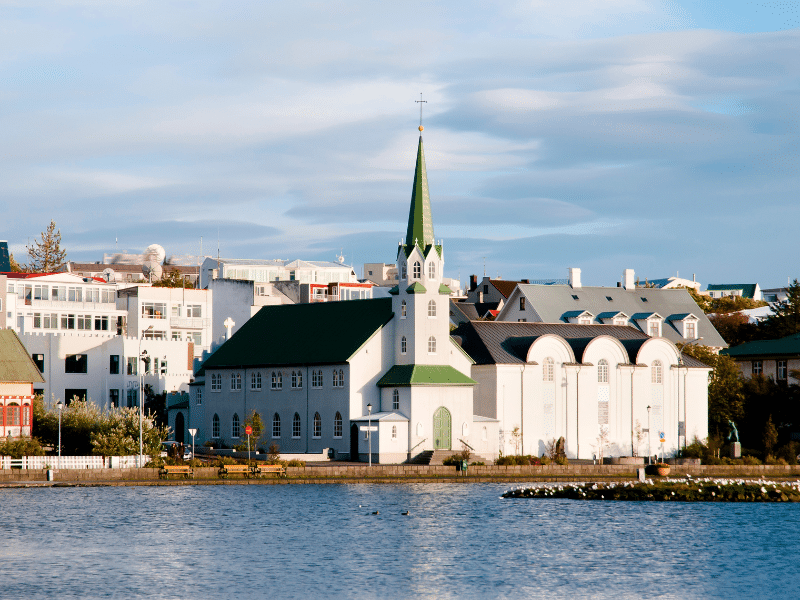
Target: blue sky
[{"x": 654, "y": 135}]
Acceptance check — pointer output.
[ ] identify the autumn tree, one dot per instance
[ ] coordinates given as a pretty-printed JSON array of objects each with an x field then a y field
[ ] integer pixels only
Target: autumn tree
[
  {"x": 15, "y": 266},
  {"x": 735, "y": 328},
  {"x": 725, "y": 388},
  {"x": 46, "y": 256}
]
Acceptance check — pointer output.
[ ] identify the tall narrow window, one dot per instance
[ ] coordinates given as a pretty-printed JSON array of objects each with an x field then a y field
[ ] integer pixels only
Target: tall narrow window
[
  {"x": 602, "y": 371},
  {"x": 317, "y": 425},
  {"x": 299, "y": 380},
  {"x": 782, "y": 370},
  {"x": 276, "y": 426},
  {"x": 341, "y": 378},
  {"x": 417, "y": 270},
  {"x": 431, "y": 345},
  {"x": 394, "y": 432},
  {"x": 236, "y": 382},
  {"x": 522, "y": 302},
  {"x": 548, "y": 369},
  {"x": 403, "y": 345},
  {"x": 758, "y": 367},
  {"x": 335, "y": 378},
  {"x": 199, "y": 396},
  {"x": 656, "y": 372},
  {"x": 403, "y": 310},
  {"x": 403, "y": 273},
  {"x": 431, "y": 270},
  {"x": 337, "y": 425},
  {"x": 215, "y": 426},
  {"x": 255, "y": 381},
  {"x": 296, "y": 426},
  {"x": 432, "y": 308},
  {"x": 294, "y": 380},
  {"x": 216, "y": 381},
  {"x": 235, "y": 426},
  {"x": 396, "y": 400}
]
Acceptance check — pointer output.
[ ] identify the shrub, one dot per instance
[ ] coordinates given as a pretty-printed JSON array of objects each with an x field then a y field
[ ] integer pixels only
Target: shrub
[
  {"x": 451, "y": 461},
  {"x": 21, "y": 447},
  {"x": 296, "y": 463},
  {"x": 750, "y": 460},
  {"x": 562, "y": 460},
  {"x": 477, "y": 464}
]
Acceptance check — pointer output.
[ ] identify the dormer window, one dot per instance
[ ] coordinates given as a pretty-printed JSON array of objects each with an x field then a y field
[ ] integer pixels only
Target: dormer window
[
  {"x": 654, "y": 328},
  {"x": 417, "y": 270},
  {"x": 690, "y": 330}
]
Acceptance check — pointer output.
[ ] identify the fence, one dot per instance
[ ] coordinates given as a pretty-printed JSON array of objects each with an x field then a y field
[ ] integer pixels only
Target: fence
[{"x": 69, "y": 462}]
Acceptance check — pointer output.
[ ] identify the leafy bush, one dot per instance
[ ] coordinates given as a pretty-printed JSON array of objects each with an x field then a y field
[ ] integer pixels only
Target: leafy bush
[
  {"x": 750, "y": 460},
  {"x": 562, "y": 460},
  {"x": 21, "y": 447},
  {"x": 296, "y": 463},
  {"x": 477, "y": 464}
]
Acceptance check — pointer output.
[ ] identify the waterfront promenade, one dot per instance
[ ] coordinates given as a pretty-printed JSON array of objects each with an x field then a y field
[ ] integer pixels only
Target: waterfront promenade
[{"x": 357, "y": 473}]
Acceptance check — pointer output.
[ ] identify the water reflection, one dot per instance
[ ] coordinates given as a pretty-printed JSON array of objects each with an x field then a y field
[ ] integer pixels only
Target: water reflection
[{"x": 301, "y": 541}]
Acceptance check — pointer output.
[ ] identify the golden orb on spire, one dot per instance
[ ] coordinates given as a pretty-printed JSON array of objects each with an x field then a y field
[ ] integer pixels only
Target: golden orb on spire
[{"x": 421, "y": 128}]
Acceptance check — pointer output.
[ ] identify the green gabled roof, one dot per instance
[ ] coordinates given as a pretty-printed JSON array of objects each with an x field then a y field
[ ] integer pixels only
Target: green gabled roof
[
  {"x": 416, "y": 288},
  {"x": 410, "y": 375},
  {"x": 16, "y": 365},
  {"x": 395, "y": 290},
  {"x": 443, "y": 289},
  {"x": 420, "y": 223},
  {"x": 786, "y": 346},
  {"x": 303, "y": 334},
  {"x": 748, "y": 289}
]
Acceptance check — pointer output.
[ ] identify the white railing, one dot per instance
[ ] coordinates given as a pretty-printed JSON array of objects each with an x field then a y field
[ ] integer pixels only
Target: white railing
[
  {"x": 189, "y": 322},
  {"x": 69, "y": 462}
]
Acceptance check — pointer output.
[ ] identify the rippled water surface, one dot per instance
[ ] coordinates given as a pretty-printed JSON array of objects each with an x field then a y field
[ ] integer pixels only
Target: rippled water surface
[{"x": 317, "y": 541}]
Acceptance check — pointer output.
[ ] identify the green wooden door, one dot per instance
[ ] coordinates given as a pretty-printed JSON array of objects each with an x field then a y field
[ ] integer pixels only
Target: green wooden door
[{"x": 441, "y": 429}]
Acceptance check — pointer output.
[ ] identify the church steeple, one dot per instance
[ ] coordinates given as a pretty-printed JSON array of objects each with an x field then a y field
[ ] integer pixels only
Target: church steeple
[{"x": 420, "y": 223}]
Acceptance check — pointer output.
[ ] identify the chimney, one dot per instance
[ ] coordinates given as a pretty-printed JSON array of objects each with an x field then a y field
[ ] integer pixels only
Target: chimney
[
  {"x": 575, "y": 277},
  {"x": 473, "y": 282},
  {"x": 627, "y": 279}
]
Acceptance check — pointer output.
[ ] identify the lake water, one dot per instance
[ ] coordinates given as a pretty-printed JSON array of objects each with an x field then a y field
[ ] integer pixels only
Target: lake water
[{"x": 321, "y": 541}]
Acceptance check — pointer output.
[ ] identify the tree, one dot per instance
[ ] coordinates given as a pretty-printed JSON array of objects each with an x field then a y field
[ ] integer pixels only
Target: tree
[
  {"x": 46, "y": 256},
  {"x": 770, "y": 437},
  {"x": 735, "y": 328},
  {"x": 725, "y": 388},
  {"x": 785, "y": 317},
  {"x": 15, "y": 266},
  {"x": 173, "y": 279},
  {"x": 254, "y": 421}
]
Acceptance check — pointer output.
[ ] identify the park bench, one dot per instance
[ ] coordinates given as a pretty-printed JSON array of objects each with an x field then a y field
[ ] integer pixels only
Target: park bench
[
  {"x": 263, "y": 469},
  {"x": 226, "y": 470},
  {"x": 184, "y": 470}
]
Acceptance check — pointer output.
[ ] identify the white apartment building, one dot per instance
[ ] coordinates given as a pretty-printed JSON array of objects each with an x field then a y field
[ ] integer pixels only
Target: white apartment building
[{"x": 304, "y": 271}]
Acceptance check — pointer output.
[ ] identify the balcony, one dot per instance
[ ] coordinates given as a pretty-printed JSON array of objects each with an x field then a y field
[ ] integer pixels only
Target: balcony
[{"x": 189, "y": 322}]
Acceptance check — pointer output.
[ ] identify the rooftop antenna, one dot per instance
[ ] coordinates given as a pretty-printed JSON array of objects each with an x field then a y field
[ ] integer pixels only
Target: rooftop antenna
[
  {"x": 484, "y": 266},
  {"x": 218, "y": 267},
  {"x": 420, "y": 102}
]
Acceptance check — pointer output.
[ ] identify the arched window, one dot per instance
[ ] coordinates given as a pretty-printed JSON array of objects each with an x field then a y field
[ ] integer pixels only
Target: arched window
[
  {"x": 341, "y": 378},
  {"x": 294, "y": 379},
  {"x": 431, "y": 270},
  {"x": 276, "y": 426},
  {"x": 602, "y": 371},
  {"x": 255, "y": 381},
  {"x": 335, "y": 378},
  {"x": 403, "y": 345},
  {"x": 394, "y": 432},
  {"x": 216, "y": 382},
  {"x": 464, "y": 429},
  {"x": 396, "y": 400},
  {"x": 432, "y": 308},
  {"x": 296, "y": 426},
  {"x": 403, "y": 274},
  {"x": 420, "y": 430},
  {"x": 484, "y": 434},
  {"x": 215, "y": 426},
  {"x": 236, "y": 382},
  {"x": 548, "y": 369},
  {"x": 337, "y": 425},
  {"x": 317, "y": 425},
  {"x": 417, "y": 270},
  {"x": 236, "y": 428},
  {"x": 431, "y": 345},
  {"x": 403, "y": 309},
  {"x": 656, "y": 372}
]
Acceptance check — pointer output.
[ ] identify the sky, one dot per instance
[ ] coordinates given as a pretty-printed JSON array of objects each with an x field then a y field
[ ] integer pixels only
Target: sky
[{"x": 656, "y": 135}]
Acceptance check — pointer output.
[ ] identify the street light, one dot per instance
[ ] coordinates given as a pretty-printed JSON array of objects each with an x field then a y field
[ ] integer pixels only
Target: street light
[
  {"x": 369, "y": 431},
  {"x": 142, "y": 356},
  {"x": 60, "y": 406}
]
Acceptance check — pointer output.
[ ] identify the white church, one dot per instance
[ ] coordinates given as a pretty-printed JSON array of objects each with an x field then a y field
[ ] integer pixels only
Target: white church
[{"x": 317, "y": 374}]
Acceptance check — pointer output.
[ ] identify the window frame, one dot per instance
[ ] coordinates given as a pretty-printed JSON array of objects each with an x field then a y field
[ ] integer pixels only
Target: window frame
[
  {"x": 432, "y": 345},
  {"x": 317, "y": 431},
  {"x": 236, "y": 426},
  {"x": 549, "y": 369},
  {"x": 431, "y": 309},
  {"x": 656, "y": 373},
  {"x": 215, "y": 427},
  {"x": 395, "y": 399},
  {"x": 337, "y": 426},
  {"x": 297, "y": 427},
  {"x": 276, "y": 426}
]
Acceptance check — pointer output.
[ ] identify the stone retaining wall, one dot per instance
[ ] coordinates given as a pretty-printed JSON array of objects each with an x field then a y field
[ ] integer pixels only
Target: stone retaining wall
[{"x": 416, "y": 472}]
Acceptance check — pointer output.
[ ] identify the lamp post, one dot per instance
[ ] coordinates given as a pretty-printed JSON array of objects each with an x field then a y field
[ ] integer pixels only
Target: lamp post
[
  {"x": 680, "y": 365},
  {"x": 142, "y": 356},
  {"x": 369, "y": 431},
  {"x": 649, "y": 451},
  {"x": 60, "y": 406}
]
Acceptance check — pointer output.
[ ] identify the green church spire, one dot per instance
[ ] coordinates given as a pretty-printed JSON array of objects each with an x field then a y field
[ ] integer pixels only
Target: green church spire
[{"x": 420, "y": 224}]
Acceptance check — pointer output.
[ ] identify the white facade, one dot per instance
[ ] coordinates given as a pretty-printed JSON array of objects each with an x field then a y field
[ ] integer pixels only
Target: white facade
[{"x": 275, "y": 270}]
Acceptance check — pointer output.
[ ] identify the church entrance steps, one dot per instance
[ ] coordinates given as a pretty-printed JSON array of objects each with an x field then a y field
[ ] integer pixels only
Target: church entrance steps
[
  {"x": 423, "y": 458},
  {"x": 439, "y": 456}
]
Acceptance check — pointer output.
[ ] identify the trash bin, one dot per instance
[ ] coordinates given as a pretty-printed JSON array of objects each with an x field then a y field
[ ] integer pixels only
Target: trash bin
[
  {"x": 49, "y": 474},
  {"x": 458, "y": 465},
  {"x": 464, "y": 466}
]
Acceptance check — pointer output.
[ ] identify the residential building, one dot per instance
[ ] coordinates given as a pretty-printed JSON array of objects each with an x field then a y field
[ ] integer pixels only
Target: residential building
[
  {"x": 669, "y": 313},
  {"x": 776, "y": 359},
  {"x": 670, "y": 283},
  {"x": 262, "y": 271},
  {"x": 744, "y": 290},
  {"x": 18, "y": 374},
  {"x": 127, "y": 273},
  {"x": 381, "y": 274}
]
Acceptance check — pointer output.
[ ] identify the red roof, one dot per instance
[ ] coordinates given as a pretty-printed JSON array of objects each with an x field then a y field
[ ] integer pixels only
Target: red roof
[{"x": 14, "y": 275}]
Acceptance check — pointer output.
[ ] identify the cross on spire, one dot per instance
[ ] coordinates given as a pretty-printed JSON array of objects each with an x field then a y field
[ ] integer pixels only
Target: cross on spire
[{"x": 420, "y": 102}]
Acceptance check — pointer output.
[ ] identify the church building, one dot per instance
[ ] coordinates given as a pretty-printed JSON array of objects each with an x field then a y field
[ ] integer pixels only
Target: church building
[{"x": 386, "y": 376}]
